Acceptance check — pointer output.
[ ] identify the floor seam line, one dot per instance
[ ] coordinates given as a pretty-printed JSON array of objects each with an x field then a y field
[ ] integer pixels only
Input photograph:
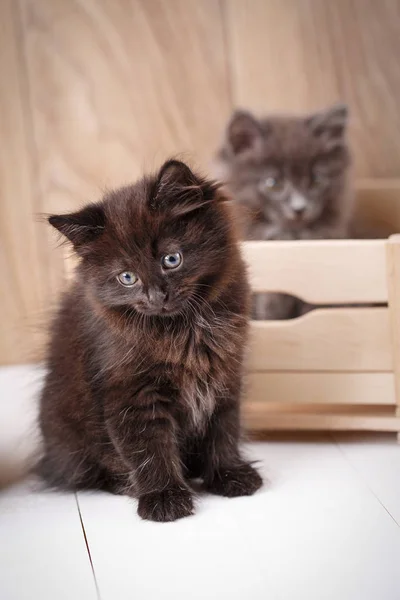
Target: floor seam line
[
  {"x": 87, "y": 547},
  {"x": 360, "y": 476}
]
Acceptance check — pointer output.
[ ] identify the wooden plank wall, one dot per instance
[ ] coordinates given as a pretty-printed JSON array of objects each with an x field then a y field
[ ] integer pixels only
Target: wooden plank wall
[
  {"x": 297, "y": 55},
  {"x": 95, "y": 91}
]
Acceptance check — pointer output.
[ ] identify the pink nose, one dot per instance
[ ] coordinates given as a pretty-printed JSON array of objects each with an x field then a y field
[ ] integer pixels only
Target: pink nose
[{"x": 156, "y": 298}]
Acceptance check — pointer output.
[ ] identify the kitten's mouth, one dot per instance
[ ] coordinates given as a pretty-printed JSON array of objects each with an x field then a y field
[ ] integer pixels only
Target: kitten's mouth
[
  {"x": 159, "y": 311},
  {"x": 297, "y": 219}
]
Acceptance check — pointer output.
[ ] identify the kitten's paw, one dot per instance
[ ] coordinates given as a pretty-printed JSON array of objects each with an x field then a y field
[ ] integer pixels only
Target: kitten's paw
[
  {"x": 169, "y": 505},
  {"x": 237, "y": 481}
]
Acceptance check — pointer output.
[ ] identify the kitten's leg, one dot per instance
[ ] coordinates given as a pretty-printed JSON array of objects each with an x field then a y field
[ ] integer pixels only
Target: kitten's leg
[
  {"x": 194, "y": 467},
  {"x": 144, "y": 435},
  {"x": 226, "y": 472},
  {"x": 193, "y": 460},
  {"x": 72, "y": 469}
]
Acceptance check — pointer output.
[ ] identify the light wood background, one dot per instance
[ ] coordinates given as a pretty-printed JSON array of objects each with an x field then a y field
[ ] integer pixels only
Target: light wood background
[{"x": 94, "y": 91}]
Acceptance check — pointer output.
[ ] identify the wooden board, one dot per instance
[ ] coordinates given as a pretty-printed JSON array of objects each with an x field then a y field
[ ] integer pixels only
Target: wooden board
[
  {"x": 115, "y": 90},
  {"x": 43, "y": 554},
  {"x": 315, "y": 531},
  {"x": 22, "y": 290},
  {"x": 321, "y": 388},
  {"x": 291, "y": 55},
  {"x": 42, "y": 547},
  {"x": 393, "y": 264},
  {"x": 378, "y": 463},
  {"x": 109, "y": 101},
  {"x": 93, "y": 93},
  {"x": 257, "y": 418},
  {"x": 324, "y": 271},
  {"x": 353, "y": 339},
  {"x": 377, "y": 208},
  {"x": 98, "y": 91}
]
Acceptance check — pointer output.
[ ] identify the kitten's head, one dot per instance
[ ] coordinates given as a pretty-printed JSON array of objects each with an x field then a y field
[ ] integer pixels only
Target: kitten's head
[
  {"x": 159, "y": 247},
  {"x": 287, "y": 170}
]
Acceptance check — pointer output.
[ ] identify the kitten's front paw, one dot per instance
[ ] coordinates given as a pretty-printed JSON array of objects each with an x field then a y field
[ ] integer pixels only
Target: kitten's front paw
[
  {"x": 237, "y": 481},
  {"x": 168, "y": 505}
]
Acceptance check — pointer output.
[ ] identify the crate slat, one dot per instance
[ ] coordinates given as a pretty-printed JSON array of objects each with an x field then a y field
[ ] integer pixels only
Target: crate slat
[
  {"x": 321, "y": 272},
  {"x": 340, "y": 339},
  {"x": 256, "y": 418},
  {"x": 322, "y": 388}
]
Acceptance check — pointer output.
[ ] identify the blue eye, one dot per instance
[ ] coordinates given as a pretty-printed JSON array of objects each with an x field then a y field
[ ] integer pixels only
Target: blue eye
[
  {"x": 127, "y": 278},
  {"x": 272, "y": 183},
  {"x": 171, "y": 261},
  {"x": 317, "y": 178}
]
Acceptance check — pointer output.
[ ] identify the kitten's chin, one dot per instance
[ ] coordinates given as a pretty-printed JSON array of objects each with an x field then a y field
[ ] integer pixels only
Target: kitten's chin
[
  {"x": 298, "y": 222},
  {"x": 164, "y": 311}
]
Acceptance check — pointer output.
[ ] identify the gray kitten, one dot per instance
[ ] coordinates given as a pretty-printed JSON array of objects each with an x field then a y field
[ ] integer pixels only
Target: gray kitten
[{"x": 289, "y": 177}]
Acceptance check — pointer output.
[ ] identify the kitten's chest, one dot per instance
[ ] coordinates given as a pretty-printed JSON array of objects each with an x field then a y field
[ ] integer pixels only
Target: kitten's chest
[
  {"x": 201, "y": 378},
  {"x": 195, "y": 362},
  {"x": 197, "y": 400},
  {"x": 201, "y": 373},
  {"x": 204, "y": 347}
]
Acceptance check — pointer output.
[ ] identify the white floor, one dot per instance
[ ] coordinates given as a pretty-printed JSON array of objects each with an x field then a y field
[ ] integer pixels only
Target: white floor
[{"x": 326, "y": 528}]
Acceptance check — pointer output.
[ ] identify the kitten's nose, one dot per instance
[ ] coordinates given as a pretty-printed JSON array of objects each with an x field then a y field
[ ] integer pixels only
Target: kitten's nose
[
  {"x": 157, "y": 297},
  {"x": 297, "y": 203},
  {"x": 298, "y": 210}
]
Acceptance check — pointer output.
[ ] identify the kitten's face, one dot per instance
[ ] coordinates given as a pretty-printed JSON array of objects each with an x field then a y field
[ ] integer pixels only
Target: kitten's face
[
  {"x": 287, "y": 170},
  {"x": 158, "y": 247},
  {"x": 293, "y": 195}
]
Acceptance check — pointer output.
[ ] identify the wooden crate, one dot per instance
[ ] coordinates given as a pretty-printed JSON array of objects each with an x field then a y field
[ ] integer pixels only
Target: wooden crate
[{"x": 333, "y": 368}]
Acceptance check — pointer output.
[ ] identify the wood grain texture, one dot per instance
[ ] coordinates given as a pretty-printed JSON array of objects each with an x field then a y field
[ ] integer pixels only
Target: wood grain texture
[
  {"x": 117, "y": 86},
  {"x": 20, "y": 257},
  {"x": 341, "y": 339},
  {"x": 322, "y": 388},
  {"x": 256, "y": 418},
  {"x": 321, "y": 272},
  {"x": 377, "y": 208},
  {"x": 393, "y": 273},
  {"x": 95, "y": 93},
  {"x": 299, "y": 56}
]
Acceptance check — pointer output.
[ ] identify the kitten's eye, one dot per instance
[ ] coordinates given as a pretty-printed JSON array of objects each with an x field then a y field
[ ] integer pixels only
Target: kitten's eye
[
  {"x": 171, "y": 261},
  {"x": 127, "y": 278},
  {"x": 317, "y": 179},
  {"x": 272, "y": 183}
]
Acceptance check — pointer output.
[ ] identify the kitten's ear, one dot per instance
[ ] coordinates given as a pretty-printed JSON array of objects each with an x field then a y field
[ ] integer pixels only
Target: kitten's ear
[
  {"x": 179, "y": 190},
  {"x": 243, "y": 132},
  {"x": 176, "y": 173},
  {"x": 81, "y": 227},
  {"x": 331, "y": 123}
]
